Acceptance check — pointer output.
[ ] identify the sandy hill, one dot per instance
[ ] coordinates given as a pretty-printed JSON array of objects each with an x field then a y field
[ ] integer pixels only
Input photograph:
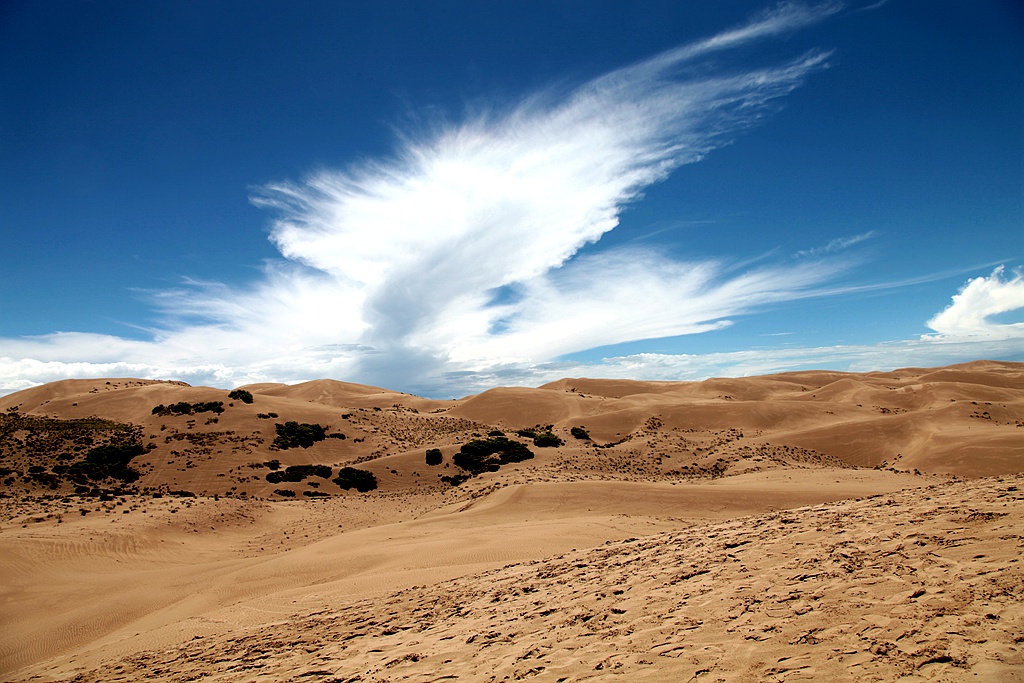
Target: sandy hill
[{"x": 789, "y": 527}]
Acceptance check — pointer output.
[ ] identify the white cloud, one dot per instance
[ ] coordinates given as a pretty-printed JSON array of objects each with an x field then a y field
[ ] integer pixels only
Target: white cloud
[
  {"x": 970, "y": 314},
  {"x": 459, "y": 259}
]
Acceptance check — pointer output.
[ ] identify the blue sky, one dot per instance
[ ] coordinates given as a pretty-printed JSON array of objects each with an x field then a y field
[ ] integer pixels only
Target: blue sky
[{"x": 442, "y": 197}]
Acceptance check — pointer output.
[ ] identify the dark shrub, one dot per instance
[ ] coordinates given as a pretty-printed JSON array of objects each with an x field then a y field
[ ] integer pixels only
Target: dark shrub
[
  {"x": 185, "y": 408},
  {"x": 180, "y": 408},
  {"x": 483, "y": 455},
  {"x": 273, "y": 464},
  {"x": 546, "y": 440},
  {"x": 300, "y": 472},
  {"x": 240, "y": 395},
  {"x": 295, "y": 435},
  {"x": 580, "y": 433},
  {"x": 108, "y": 461},
  {"x": 352, "y": 478},
  {"x": 434, "y": 456},
  {"x": 285, "y": 492},
  {"x": 208, "y": 407}
]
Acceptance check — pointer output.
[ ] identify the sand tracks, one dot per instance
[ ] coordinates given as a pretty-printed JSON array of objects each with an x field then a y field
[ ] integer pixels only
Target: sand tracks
[{"x": 922, "y": 583}]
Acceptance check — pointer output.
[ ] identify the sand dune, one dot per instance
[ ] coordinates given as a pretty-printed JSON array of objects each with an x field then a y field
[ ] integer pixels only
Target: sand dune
[
  {"x": 916, "y": 583},
  {"x": 789, "y": 527}
]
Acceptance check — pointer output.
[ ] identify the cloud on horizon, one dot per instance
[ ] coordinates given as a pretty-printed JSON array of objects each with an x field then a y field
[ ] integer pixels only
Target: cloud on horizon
[{"x": 460, "y": 262}]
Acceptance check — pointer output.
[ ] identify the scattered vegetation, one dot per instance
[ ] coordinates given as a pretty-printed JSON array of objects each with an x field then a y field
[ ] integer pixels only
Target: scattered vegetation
[
  {"x": 241, "y": 395},
  {"x": 287, "y": 493},
  {"x": 51, "y": 453},
  {"x": 266, "y": 416},
  {"x": 352, "y": 478},
  {"x": 298, "y": 435}
]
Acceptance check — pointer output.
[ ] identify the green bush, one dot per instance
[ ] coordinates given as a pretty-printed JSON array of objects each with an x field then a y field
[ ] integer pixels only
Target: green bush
[
  {"x": 352, "y": 478},
  {"x": 240, "y": 395},
  {"x": 434, "y": 456},
  {"x": 295, "y": 435}
]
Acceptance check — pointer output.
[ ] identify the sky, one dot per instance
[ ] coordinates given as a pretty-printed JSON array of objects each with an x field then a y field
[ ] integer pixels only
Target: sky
[{"x": 443, "y": 197}]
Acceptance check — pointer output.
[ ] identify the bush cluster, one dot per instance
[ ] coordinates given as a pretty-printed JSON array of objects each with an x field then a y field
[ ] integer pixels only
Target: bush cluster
[
  {"x": 299, "y": 472},
  {"x": 546, "y": 440},
  {"x": 352, "y": 478},
  {"x": 580, "y": 433},
  {"x": 241, "y": 395},
  {"x": 107, "y": 461},
  {"x": 185, "y": 408},
  {"x": 487, "y": 455},
  {"x": 298, "y": 435},
  {"x": 542, "y": 437},
  {"x": 434, "y": 456}
]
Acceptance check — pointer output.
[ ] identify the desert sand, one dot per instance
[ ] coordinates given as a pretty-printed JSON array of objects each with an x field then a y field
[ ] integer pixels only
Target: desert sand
[{"x": 799, "y": 526}]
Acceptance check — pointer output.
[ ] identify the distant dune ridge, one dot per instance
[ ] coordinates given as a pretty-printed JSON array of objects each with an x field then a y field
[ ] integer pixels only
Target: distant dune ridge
[{"x": 797, "y": 526}]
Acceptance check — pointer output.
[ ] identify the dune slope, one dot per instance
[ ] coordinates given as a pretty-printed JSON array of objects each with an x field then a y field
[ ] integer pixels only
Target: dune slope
[{"x": 918, "y": 583}]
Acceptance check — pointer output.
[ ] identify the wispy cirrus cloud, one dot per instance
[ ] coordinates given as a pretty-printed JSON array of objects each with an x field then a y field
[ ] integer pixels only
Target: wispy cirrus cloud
[
  {"x": 837, "y": 245},
  {"x": 459, "y": 260}
]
